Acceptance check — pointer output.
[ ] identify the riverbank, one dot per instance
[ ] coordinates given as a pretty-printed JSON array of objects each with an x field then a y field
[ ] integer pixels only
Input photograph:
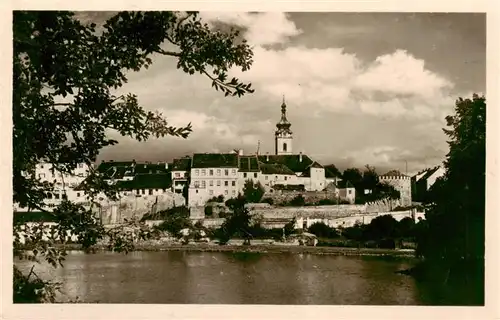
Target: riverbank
[{"x": 260, "y": 248}]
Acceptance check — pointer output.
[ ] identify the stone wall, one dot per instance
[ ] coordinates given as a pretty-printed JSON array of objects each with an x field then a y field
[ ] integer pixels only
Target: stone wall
[
  {"x": 271, "y": 212},
  {"x": 127, "y": 207},
  {"x": 383, "y": 205},
  {"x": 281, "y": 196}
]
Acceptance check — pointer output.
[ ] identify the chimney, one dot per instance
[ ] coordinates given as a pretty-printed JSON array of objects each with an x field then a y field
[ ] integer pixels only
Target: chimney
[
  {"x": 267, "y": 156},
  {"x": 300, "y": 156},
  {"x": 166, "y": 165},
  {"x": 240, "y": 152}
]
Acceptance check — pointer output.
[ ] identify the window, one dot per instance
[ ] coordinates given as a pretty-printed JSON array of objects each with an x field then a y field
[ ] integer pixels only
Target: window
[
  {"x": 266, "y": 177},
  {"x": 203, "y": 172},
  {"x": 41, "y": 175},
  {"x": 244, "y": 175},
  {"x": 177, "y": 174},
  {"x": 284, "y": 147},
  {"x": 211, "y": 183},
  {"x": 233, "y": 183},
  {"x": 196, "y": 191},
  {"x": 143, "y": 191},
  {"x": 203, "y": 185},
  {"x": 286, "y": 178},
  {"x": 218, "y": 172},
  {"x": 41, "y": 166},
  {"x": 210, "y": 192},
  {"x": 226, "y": 172},
  {"x": 49, "y": 195},
  {"x": 196, "y": 172},
  {"x": 211, "y": 172},
  {"x": 234, "y": 192},
  {"x": 150, "y": 192},
  {"x": 138, "y": 191},
  {"x": 196, "y": 184},
  {"x": 350, "y": 191},
  {"x": 255, "y": 174},
  {"x": 233, "y": 172},
  {"x": 80, "y": 165},
  {"x": 226, "y": 183},
  {"x": 78, "y": 194},
  {"x": 56, "y": 195},
  {"x": 218, "y": 183},
  {"x": 226, "y": 192}
]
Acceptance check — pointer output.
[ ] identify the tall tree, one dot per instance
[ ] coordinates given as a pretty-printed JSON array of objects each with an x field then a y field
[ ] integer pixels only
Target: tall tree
[
  {"x": 64, "y": 76},
  {"x": 456, "y": 203},
  {"x": 354, "y": 176}
]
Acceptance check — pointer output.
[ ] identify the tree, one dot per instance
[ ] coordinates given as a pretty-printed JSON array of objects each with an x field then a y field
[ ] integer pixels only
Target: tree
[
  {"x": 64, "y": 76},
  {"x": 354, "y": 176},
  {"x": 333, "y": 169},
  {"x": 253, "y": 192},
  {"x": 456, "y": 202},
  {"x": 238, "y": 222},
  {"x": 290, "y": 227},
  {"x": 370, "y": 178},
  {"x": 322, "y": 230}
]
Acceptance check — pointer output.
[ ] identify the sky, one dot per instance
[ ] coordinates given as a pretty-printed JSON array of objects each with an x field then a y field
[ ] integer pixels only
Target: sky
[{"x": 360, "y": 88}]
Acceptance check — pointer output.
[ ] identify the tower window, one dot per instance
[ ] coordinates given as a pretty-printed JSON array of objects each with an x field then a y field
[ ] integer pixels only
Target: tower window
[{"x": 284, "y": 146}]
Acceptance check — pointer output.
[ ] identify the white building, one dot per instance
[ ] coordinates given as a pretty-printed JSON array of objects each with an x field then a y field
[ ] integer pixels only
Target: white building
[
  {"x": 64, "y": 185},
  {"x": 180, "y": 173},
  {"x": 212, "y": 175},
  {"x": 424, "y": 180}
]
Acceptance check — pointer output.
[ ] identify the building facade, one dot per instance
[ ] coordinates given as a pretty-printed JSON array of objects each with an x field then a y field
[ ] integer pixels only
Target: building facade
[{"x": 424, "y": 180}]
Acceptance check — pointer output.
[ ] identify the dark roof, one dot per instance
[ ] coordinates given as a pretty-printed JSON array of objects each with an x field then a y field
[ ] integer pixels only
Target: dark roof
[
  {"x": 182, "y": 164},
  {"x": 249, "y": 164},
  {"x": 215, "y": 160},
  {"x": 275, "y": 169},
  {"x": 105, "y": 166},
  {"x": 147, "y": 181},
  {"x": 150, "y": 168},
  {"x": 290, "y": 161},
  {"x": 394, "y": 173}
]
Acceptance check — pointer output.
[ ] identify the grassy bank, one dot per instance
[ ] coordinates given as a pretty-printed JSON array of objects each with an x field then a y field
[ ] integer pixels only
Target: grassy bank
[{"x": 259, "y": 248}]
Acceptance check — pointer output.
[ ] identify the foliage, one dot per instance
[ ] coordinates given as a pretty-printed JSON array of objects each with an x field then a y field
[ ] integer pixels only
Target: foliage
[
  {"x": 333, "y": 169},
  {"x": 290, "y": 227},
  {"x": 64, "y": 76},
  {"x": 289, "y": 187},
  {"x": 238, "y": 222},
  {"x": 322, "y": 230},
  {"x": 253, "y": 192},
  {"x": 175, "y": 222},
  {"x": 209, "y": 210},
  {"x": 455, "y": 209},
  {"x": 298, "y": 201},
  {"x": 218, "y": 199}
]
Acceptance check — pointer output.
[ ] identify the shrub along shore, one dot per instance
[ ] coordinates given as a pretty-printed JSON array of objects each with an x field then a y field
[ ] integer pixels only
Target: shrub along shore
[{"x": 257, "y": 248}]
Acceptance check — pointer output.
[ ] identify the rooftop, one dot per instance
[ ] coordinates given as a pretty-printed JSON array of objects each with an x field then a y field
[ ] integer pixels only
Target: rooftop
[
  {"x": 268, "y": 168},
  {"x": 215, "y": 160},
  {"x": 290, "y": 161},
  {"x": 182, "y": 164},
  {"x": 249, "y": 164}
]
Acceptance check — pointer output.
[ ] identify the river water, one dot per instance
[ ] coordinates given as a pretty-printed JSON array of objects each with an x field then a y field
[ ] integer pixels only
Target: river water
[{"x": 236, "y": 278}]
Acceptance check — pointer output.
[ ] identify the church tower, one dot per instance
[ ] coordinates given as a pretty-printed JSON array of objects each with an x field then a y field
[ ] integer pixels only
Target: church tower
[{"x": 283, "y": 134}]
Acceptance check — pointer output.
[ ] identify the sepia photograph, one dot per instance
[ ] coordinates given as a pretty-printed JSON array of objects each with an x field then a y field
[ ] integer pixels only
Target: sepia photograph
[{"x": 248, "y": 158}]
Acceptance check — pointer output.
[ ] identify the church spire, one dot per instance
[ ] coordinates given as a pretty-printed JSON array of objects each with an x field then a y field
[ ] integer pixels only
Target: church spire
[{"x": 283, "y": 134}]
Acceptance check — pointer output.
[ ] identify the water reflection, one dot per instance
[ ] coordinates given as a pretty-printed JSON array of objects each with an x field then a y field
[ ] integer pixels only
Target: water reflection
[{"x": 242, "y": 278}]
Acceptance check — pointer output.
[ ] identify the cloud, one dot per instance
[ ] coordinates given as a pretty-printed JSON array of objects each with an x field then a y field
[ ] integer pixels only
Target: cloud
[{"x": 261, "y": 28}]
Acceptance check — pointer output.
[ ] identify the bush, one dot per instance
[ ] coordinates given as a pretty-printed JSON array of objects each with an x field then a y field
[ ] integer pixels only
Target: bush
[
  {"x": 298, "y": 201},
  {"x": 209, "y": 210},
  {"x": 321, "y": 230},
  {"x": 218, "y": 199}
]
